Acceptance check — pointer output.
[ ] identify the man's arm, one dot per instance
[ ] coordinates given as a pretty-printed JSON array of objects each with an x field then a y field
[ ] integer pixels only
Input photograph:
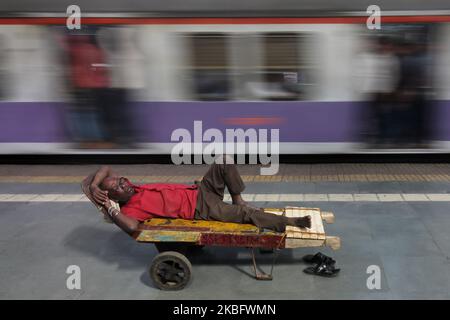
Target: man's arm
[
  {"x": 99, "y": 195},
  {"x": 127, "y": 224}
]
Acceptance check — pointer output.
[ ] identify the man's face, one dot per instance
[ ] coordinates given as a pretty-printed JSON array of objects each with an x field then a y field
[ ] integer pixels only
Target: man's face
[{"x": 119, "y": 188}]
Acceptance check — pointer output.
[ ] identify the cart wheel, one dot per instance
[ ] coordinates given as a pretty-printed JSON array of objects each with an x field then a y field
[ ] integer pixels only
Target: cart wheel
[{"x": 170, "y": 270}]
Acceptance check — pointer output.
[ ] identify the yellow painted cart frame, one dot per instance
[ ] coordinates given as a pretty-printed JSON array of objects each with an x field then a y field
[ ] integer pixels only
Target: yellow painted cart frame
[{"x": 200, "y": 232}]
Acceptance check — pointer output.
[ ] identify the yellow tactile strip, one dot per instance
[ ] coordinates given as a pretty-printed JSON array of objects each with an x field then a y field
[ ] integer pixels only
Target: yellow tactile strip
[
  {"x": 246, "y": 178},
  {"x": 337, "y": 172}
]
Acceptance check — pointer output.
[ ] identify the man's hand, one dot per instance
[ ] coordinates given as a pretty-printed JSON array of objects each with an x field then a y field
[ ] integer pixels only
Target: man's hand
[
  {"x": 100, "y": 196},
  {"x": 107, "y": 204}
]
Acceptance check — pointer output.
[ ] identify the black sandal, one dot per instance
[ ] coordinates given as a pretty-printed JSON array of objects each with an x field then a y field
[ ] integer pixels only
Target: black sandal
[
  {"x": 323, "y": 270},
  {"x": 318, "y": 258}
]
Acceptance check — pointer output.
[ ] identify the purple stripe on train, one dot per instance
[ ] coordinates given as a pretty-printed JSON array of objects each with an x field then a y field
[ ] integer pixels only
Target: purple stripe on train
[
  {"x": 32, "y": 122},
  {"x": 155, "y": 121}
]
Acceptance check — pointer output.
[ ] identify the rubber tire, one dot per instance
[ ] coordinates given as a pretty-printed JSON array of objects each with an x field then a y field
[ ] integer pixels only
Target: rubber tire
[{"x": 180, "y": 260}]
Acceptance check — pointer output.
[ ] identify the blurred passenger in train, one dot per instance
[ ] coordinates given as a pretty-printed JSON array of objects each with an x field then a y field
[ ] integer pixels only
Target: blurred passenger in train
[
  {"x": 379, "y": 73},
  {"x": 126, "y": 67},
  {"x": 89, "y": 79},
  {"x": 412, "y": 90},
  {"x": 400, "y": 111},
  {"x": 2, "y": 67}
]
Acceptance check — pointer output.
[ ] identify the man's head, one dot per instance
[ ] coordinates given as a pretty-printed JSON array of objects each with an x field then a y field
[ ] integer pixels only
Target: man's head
[{"x": 119, "y": 188}]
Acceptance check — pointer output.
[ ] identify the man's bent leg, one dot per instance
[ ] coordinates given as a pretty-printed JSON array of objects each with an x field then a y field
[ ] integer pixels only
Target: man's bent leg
[
  {"x": 215, "y": 209},
  {"x": 225, "y": 212},
  {"x": 210, "y": 205},
  {"x": 223, "y": 173}
]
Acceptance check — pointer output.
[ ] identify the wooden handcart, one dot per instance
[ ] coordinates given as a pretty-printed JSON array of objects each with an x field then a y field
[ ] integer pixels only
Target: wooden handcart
[{"x": 172, "y": 270}]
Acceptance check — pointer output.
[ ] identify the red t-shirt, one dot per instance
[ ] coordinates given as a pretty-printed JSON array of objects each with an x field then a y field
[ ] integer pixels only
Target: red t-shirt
[
  {"x": 88, "y": 65},
  {"x": 160, "y": 200}
]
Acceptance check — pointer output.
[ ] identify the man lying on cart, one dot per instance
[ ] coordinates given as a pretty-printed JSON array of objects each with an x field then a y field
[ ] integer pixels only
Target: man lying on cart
[{"x": 201, "y": 201}]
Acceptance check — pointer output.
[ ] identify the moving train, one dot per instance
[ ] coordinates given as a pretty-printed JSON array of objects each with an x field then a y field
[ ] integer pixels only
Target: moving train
[{"x": 297, "y": 73}]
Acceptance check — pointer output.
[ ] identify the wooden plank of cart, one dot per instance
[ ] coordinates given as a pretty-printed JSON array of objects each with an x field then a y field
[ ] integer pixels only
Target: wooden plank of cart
[{"x": 171, "y": 269}]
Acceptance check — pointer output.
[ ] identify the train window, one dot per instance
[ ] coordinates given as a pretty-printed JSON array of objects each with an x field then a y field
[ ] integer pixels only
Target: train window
[
  {"x": 286, "y": 70},
  {"x": 209, "y": 66}
]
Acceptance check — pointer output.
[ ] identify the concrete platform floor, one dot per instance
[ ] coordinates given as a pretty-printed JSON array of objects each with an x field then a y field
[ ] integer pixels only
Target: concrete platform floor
[{"x": 408, "y": 240}]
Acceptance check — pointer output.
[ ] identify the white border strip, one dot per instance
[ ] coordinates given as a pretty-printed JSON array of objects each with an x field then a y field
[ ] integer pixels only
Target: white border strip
[{"x": 284, "y": 197}]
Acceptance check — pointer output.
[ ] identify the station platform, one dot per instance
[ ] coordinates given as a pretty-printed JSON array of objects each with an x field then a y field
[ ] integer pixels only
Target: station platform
[{"x": 393, "y": 216}]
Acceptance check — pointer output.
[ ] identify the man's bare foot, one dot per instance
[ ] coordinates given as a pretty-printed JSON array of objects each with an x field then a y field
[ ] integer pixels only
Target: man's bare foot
[{"x": 303, "y": 222}]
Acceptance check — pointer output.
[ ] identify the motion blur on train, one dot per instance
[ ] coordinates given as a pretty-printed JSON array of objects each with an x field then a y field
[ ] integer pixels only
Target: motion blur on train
[{"x": 328, "y": 87}]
